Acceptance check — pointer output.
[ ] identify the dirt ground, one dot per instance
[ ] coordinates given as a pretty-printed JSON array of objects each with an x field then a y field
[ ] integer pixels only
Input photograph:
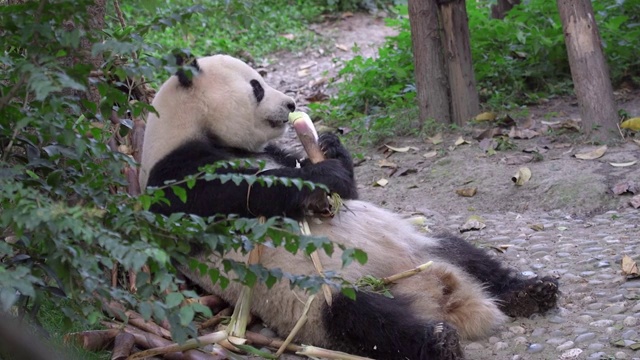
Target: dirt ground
[
  {"x": 564, "y": 192},
  {"x": 558, "y": 181}
]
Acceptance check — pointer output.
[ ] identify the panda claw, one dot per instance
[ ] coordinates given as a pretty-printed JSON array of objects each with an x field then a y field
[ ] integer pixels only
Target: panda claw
[
  {"x": 445, "y": 342},
  {"x": 532, "y": 296}
]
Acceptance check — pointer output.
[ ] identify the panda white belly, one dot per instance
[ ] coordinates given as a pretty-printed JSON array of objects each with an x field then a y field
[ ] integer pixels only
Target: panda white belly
[{"x": 442, "y": 292}]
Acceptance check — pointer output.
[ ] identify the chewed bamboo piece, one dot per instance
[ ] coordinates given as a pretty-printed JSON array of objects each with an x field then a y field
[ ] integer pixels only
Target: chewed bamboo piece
[
  {"x": 308, "y": 136},
  {"x": 405, "y": 274}
]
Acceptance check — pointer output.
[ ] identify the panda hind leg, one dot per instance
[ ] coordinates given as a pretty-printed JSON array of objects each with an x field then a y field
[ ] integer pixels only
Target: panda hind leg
[
  {"x": 530, "y": 296},
  {"x": 516, "y": 296},
  {"x": 383, "y": 328}
]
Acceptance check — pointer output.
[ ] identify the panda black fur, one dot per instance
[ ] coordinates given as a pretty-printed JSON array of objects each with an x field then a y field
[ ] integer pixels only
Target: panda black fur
[{"x": 225, "y": 112}]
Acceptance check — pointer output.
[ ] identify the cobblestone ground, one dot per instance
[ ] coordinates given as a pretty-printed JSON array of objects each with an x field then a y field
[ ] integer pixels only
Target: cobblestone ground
[{"x": 599, "y": 310}]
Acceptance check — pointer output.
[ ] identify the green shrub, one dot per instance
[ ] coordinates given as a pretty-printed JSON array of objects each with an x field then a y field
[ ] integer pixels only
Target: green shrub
[
  {"x": 247, "y": 29},
  {"x": 516, "y": 61},
  {"x": 66, "y": 218}
]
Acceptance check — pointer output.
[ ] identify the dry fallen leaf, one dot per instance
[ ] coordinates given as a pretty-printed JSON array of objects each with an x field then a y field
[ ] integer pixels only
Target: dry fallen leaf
[
  {"x": 522, "y": 133},
  {"x": 461, "y": 141},
  {"x": 571, "y": 125},
  {"x": 342, "y": 47},
  {"x": 506, "y": 122},
  {"x": 436, "y": 139},
  {"x": 386, "y": 163},
  {"x": 499, "y": 248},
  {"x": 317, "y": 96},
  {"x": 474, "y": 222},
  {"x": 488, "y": 144},
  {"x": 489, "y": 133},
  {"x": 407, "y": 171},
  {"x": 530, "y": 123},
  {"x": 535, "y": 149},
  {"x": 381, "y": 182},
  {"x": 631, "y": 124},
  {"x": 397, "y": 149},
  {"x": 303, "y": 73},
  {"x": 629, "y": 267},
  {"x": 625, "y": 164},
  {"x": 637, "y": 141},
  {"x": 467, "y": 192},
  {"x": 625, "y": 186},
  {"x": 288, "y": 36},
  {"x": 308, "y": 65},
  {"x": 430, "y": 154},
  {"x": 518, "y": 159},
  {"x": 536, "y": 227},
  {"x": 522, "y": 176},
  {"x": 591, "y": 155},
  {"x": 486, "y": 116}
]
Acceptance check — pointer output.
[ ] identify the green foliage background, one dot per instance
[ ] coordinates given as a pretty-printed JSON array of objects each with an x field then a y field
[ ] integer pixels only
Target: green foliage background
[{"x": 517, "y": 61}]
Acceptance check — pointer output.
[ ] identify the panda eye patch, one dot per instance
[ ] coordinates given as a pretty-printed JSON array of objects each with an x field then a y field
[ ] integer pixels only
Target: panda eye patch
[{"x": 258, "y": 90}]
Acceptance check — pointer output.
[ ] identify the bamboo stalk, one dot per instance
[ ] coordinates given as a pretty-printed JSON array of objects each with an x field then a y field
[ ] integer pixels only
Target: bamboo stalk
[
  {"x": 144, "y": 339},
  {"x": 122, "y": 346},
  {"x": 405, "y": 274},
  {"x": 135, "y": 319},
  {"x": 188, "y": 345},
  {"x": 242, "y": 310},
  {"x": 315, "y": 258},
  {"x": 306, "y": 132},
  {"x": 258, "y": 339},
  {"x": 301, "y": 321},
  {"x": 92, "y": 340},
  {"x": 114, "y": 275},
  {"x": 316, "y": 352},
  {"x": 217, "y": 319}
]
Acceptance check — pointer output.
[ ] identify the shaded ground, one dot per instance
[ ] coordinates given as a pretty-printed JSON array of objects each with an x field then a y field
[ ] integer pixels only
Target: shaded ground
[
  {"x": 559, "y": 181},
  {"x": 565, "y": 221}
]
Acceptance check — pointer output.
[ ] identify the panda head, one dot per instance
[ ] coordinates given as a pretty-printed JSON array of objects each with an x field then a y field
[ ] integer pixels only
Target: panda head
[
  {"x": 217, "y": 98},
  {"x": 233, "y": 102}
]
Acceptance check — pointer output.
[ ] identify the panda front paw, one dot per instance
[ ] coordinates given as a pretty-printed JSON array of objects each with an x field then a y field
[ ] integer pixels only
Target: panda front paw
[
  {"x": 333, "y": 149},
  {"x": 334, "y": 175}
]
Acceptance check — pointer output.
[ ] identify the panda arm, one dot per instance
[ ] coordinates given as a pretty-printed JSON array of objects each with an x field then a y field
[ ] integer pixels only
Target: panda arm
[
  {"x": 208, "y": 198},
  {"x": 282, "y": 157},
  {"x": 332, "y": 149}
]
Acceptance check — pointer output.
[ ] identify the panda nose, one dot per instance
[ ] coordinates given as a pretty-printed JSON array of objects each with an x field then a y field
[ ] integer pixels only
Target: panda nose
[{"x": 291, "y": 106}]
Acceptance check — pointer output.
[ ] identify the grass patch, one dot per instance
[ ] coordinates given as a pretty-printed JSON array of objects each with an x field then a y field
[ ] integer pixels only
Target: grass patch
[
  {"x": 54, "y": 324},
  {"x": 246, "y": 29}
]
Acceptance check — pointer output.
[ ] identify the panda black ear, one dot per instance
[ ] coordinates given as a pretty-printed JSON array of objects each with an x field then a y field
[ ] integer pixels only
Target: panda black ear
[{"x": 188, "y": 66}]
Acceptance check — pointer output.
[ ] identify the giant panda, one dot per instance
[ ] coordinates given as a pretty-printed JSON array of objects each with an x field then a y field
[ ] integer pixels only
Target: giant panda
[{"x": 226, "y": 111}]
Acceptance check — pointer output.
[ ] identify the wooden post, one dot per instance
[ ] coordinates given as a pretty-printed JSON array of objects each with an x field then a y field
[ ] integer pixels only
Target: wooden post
[
  {"x": 589, "y": 71},
  {"x": 432, "y": 85},
  {"x": 465, "y": 102}
]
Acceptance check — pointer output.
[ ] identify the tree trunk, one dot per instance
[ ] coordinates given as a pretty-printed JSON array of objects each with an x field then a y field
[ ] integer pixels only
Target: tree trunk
[
  {"x": 499, "y": 10},
  {"x": 589, "y": 70},
  {"x": 465, "y": 102},
  {"x": 431, "y": 79}
]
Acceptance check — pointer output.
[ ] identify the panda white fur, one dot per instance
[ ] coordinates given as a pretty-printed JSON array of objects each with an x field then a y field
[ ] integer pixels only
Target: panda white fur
[{"x": 226, "y": 111}]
